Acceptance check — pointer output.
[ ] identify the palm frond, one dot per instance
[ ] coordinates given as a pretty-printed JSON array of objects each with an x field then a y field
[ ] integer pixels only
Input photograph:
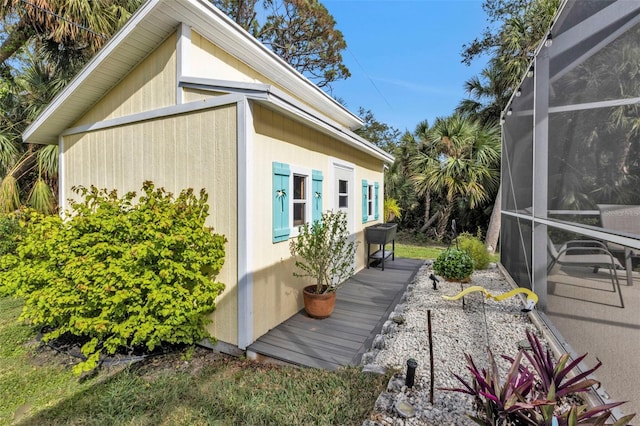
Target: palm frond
[
  {"x": 47, "y": 159},
  {"x": 9, "y": 194},
  {"x": 41, "y": 197},
  {"x": 9, "y": 153}
]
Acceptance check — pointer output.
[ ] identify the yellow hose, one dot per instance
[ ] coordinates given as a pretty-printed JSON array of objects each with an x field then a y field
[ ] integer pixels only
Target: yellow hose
[{"x": 532, "y": 298}]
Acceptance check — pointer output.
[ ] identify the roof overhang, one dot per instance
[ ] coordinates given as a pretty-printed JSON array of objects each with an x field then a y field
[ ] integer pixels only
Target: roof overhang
[{"x": 154, "y": 21}]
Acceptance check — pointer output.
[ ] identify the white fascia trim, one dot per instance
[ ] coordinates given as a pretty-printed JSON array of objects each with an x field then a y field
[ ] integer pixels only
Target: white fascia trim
[
  {"x": 329, "y": 126},
  {"x": 88, "y": 69},
  {"x": 211, "y": 84},
  {"x": 285, "y": 102},
  {"x": 183, "y": 53},
  {"x": 157, "y": 113},
  {"x": 245, "y": 224},
  {"x": 61, "y": 176},
  {"x": 285, "y": 72}
]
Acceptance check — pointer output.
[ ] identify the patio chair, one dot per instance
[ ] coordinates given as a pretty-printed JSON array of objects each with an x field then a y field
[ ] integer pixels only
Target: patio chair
[
  {"x": 625, "y": 218},
  {"x": 587, "y": 253}
]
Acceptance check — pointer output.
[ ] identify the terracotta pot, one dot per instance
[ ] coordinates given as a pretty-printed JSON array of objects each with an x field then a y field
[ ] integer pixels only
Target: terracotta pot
[{"x": 318, "y": 305}]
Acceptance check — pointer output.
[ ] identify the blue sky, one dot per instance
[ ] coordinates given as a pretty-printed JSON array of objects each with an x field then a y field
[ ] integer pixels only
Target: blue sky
[{"x": 404, "y": 56}]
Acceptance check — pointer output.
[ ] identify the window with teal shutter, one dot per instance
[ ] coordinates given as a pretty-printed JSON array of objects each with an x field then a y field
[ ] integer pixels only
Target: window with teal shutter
[
  {"x": 316, "y": 195},
  {"x": 281, "y": 173},
  {"x": 365, "y": 206},
  {"x": 376, "y": 207}
]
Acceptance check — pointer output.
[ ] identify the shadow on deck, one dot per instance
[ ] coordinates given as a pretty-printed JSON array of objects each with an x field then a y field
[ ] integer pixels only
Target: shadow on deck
[{"x": 363, "y": 304}]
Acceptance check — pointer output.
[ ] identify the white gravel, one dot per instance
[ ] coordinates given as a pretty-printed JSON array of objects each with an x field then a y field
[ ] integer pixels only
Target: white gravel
[{"x": 456, "y": 330}]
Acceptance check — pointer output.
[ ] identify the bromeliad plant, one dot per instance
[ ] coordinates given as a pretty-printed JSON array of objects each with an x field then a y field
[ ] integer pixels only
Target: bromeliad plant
[
  {"x": 324, "y": 251},
  {"x": 533, "y": 398}
]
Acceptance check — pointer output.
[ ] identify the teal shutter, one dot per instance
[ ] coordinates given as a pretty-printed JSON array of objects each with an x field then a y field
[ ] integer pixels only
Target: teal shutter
[
  {"x": 365, "y": 209},
  {"x": 280, "y": 199},
  {"x": 316, "y": 195},
  {"x": 375, "y": 201}
]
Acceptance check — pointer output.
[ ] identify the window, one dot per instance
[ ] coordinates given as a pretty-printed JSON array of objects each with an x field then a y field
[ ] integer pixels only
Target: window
[
  {"x": 370, "y": 191},
  {"x": 297, "y": 199},
  {"x": 343, "y": 194},
  {"x": 300, "y": 199}
]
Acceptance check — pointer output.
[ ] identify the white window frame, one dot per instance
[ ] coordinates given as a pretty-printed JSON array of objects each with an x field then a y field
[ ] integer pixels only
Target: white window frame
[
  {"x": 371, "y": 200},
  {"x": 306, "y": 173},
  {"x": 344, "y": 194}
]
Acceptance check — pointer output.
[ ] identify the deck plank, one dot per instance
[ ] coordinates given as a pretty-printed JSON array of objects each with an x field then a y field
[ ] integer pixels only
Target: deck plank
[{"x": 363, "y": 304}]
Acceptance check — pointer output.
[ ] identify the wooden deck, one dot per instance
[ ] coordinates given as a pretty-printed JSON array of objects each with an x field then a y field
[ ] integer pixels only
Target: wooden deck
[{"x": 363, "y": 304}]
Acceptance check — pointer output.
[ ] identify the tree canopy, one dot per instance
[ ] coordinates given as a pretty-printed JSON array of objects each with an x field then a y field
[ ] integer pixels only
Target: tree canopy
[
  {"x": 376, "y": 132},
  {"x": 515, "y": 30},
  {"x": 69, "y": 24},
  {"x": 302, "y": 32},
  {"x": 44, "y": 44}
]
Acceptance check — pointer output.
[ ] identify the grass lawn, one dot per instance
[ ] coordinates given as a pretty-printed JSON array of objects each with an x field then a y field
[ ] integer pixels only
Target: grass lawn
[
  {"x": 415, "y": 251},
  {"x": 196, "y": 387},
  {"x": 410, "y": 249}
]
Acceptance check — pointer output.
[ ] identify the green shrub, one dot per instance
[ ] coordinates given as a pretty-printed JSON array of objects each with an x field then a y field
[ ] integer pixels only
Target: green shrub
[
  {"x": 10, "y": 231},
  {"x": 474, "y": 245},
  {"x": 453, "y": 264},
  {"x": 120, "y": 274}
]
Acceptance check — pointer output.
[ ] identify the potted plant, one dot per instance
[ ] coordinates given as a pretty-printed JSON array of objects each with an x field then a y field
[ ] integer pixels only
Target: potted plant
[
  {"x": 391, "y": 209},
  {"x": 454, "y": 264},
  {"x": 324, "y": 252}
]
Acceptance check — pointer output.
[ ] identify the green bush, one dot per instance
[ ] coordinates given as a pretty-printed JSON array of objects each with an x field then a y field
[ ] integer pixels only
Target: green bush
[
  {"x": 474, "y": 245},
  {"x": 453, "y": 264},
  {"x": 119, "y": 274},
  {"x": 10, "y": 232}
]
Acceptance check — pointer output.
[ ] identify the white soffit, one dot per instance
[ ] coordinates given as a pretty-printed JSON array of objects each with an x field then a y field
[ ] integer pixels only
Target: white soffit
[{"x": 146, "y": 29}]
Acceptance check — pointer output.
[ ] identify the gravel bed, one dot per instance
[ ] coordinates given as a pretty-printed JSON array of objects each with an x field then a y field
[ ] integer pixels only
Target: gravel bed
[{"x": 456, "y": 329}]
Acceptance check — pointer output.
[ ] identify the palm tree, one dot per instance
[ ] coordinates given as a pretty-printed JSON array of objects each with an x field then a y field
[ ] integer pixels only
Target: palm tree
[
  {"x": 85, "y": 24},
  {"x": 29, "y": 173},
  {"x": 397, "y": 179},
  {"x": 511, "y": 46},
  {"x": 54, "y": 38},
  {"x": 459, "y": 161},
  {"x": 488, "y": 95}
]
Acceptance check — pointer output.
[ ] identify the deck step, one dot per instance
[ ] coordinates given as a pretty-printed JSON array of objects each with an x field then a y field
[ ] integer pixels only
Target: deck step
[{"x": 363, "y": 304}]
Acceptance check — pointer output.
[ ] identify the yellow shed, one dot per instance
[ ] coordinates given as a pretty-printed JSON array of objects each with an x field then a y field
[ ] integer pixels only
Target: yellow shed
[{"x": 184, "y": 97}]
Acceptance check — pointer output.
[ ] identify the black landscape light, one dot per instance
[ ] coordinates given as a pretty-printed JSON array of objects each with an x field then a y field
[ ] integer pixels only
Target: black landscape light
[
  {"x": 434, "y": 281},
  {"x": 411, "y": 372}
]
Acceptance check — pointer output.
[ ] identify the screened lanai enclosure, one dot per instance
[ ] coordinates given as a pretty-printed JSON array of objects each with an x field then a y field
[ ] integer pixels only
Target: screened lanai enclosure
[{"x": 570, "y": 226}]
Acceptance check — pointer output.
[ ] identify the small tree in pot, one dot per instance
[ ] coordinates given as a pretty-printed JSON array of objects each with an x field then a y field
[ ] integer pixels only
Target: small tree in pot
[{"x": 324, "y": 252}]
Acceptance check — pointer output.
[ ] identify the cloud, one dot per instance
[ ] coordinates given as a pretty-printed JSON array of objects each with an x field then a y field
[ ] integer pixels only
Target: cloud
[{"x": 410, "y": 85}]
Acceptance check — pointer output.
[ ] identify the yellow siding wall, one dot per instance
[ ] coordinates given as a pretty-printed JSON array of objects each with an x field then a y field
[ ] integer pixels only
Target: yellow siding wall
[
  {"x": 196, "y": 150},
  {"x": 277, "y": 293},
  {"x": 209, "y": 61},
  {"x": 150, "y": 85}
]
